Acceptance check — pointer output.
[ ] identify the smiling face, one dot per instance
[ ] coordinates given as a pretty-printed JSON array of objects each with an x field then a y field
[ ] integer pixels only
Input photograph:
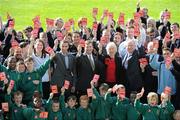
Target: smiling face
[
  {"x": 11, "y": 63},
  {"x": 39, "y": 46}
]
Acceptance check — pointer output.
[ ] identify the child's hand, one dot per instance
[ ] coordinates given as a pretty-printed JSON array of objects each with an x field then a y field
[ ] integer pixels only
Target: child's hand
[
  {"x": 139, "y": 95},
  {"x": 51, "y": 95},
  {"x": 93, "y": 96},
  {"x": 36, "y": 82},
  {"x": 92, "y": 84},
  {"x": 109, "y": 90},
  {"x": 8, "y": 90}
]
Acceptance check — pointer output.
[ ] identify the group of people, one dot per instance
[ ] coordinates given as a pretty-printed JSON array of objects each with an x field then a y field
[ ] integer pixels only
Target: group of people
[{"x": 112, "y": 71}]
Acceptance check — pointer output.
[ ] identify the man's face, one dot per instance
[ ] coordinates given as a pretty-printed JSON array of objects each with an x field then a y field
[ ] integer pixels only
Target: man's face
[
  {"x": 89, "y": 48},
  {"x": 18, "y": 53},
  {"x": 18, "y": 99},
  {"x": 130, "y": 47},
  {"x": 27, "y": 33},
  {"x": 64, "y": 47},
  {"x": 130, "y": 33}
]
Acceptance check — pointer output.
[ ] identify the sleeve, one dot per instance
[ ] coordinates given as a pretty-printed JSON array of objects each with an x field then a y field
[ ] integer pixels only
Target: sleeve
[
  {"x": 27, "y": 113},
  {"x": 79, "y": 117},
  {"x": 43, "y": 68},
  {"x": 108, "y": 98},
  {"x": 139, "y": 106},
  {"x": 62, "y": 101},
  {"x": 170, "y": 107},
  {"x": 153, "y": 61},
  {"x": 95, "y": 92},
  {"x": 3, "y": 68},
  {"x": 8, "y": 99},
  {"x": 50, "y": 40},
  {"x": 48, "y": 104}
]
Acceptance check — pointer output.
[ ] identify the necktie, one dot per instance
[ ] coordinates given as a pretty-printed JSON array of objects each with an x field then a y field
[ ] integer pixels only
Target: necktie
[{"x": 91, "y": 61}]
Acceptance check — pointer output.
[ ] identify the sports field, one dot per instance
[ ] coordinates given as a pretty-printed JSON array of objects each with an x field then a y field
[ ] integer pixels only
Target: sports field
[{"x": 24, "y": 10}]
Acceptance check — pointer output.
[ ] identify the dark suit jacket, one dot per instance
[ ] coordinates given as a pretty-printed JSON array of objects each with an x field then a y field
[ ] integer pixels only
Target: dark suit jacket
[
  {"x": 85, "y": 72},
  {"x": 133, "y": 73},
  {"x": 61, "y": 73}
]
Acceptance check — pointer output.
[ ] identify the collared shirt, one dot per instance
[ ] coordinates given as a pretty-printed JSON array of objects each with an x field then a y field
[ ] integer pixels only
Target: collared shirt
[{"x": 66, "y": 60}]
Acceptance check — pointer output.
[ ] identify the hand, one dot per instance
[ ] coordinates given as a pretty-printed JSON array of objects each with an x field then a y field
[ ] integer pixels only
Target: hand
[
  {"x": 8, "y": 90},
  {"x": 79, "y": 49},
  {"x": 51, "y": 95},
  {"x": 73, "y": 89},
  {"x": 62, "y": 90},
  {"x": 92, "y": 84},
  {"x": 56, "y": 42},
  {"x": 52, "y": 55},
  {"x": 109, "y": 90},
  {"x": 36, "y": 82}
]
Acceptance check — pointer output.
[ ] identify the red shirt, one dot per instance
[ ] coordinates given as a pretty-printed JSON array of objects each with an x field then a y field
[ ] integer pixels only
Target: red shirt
[{"x": 110, "y": 70}]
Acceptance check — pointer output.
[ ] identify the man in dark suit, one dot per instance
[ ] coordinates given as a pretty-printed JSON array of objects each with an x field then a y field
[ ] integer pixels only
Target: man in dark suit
[
  {"x": 64, "y": 67},
  {"x": 132, "y": 70},
  {"x": 86, "y": 67}
]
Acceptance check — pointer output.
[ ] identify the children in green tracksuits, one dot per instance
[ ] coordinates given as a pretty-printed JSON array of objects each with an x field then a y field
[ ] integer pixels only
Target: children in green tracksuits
[
  {"x": 101, "y": 106},
  {"x": 31, "y": 80},
  {"x": 149, "y": 111},
  {"x": 119, "y": 104},
  {"x": 84, "y": 112},
  {"x": 36, "y": 112},
  {"x": 69, "y": 112},
  {"x": 16, "y": 108},
  {"x": 167, "y": 109}
]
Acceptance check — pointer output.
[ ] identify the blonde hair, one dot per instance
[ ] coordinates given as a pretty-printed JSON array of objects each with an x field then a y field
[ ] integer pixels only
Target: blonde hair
[
  {"x": 176, "y": 115},
  {"x": 153, "y": 22},
  {"x": 152, "y": 95}
]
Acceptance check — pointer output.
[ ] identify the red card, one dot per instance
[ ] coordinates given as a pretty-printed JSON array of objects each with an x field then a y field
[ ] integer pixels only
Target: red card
[
  {"x": 95, "y": 78},
  {"x": 89, "y": 92},
  {"x": 141, "y": 13},
  {"x": 167, "y": 90},
  {"x": 54, "y": 89},
  {"x": 136, "y": 17},
  {"x": 5, "y": 107},
  {"x": 110, "y": 15},
  {"x": 82, "y": 43},
  {"x": 2, "y": 76},
  {"x": 67, "y": 26},
  {"x": 105, "y": 13},
  {"x": 11, "y": 24},
  {"x": 36, "y": 22},
  {"x": 84, "y": 21},
  {"x": 95, "y": 11},
  {"x": 49, "y": 22},
  {"x": 71, "y": 21},
  {"x": 136, "y": 29},
  {"x": 59, "y": 35},
  {"x": 95, "y": 26},
  {"x": 43, "y": 115},
  {"x": 35, "y": 33},
  {"x": 167, "y": 37},
  {"x": 103, "y": 40},
  {"x": 121, "y": 19},
  {"x": 143, "y": 61},
  {"x": 14, "y": 44},
  {"x": 49, "y": 50},
  {"x": 177, "y": 52},
  {"x": 156, "y": 44},
  {"x": 168, "y": 61},
  {"x": 176, "y": 35},
  {"x": 167, "y": 15},
  {"x": 66, "y": 84},
  {"x": 11, "y": 84}
]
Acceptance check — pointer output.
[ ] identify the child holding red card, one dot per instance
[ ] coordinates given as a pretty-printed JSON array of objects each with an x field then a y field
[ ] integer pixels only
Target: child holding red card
[
  {"x": 118, "y": 103},
  {"x": 166, "y": 106}
]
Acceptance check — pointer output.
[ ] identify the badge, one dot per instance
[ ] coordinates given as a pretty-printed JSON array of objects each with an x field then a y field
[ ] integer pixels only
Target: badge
[{"x": 29, "y": 78}]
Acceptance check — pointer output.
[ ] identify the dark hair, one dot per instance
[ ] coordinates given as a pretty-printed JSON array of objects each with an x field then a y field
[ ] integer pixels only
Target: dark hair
[
  {"x": 177, "y": 24},
  {"x": 73, "y": 97},
  {"x": 43, "y": 50},
  {"x": 104, "y": 86},
  {"x": 28, "y": 59},
  {"x": 23, "y": 44},
  {"x": 17, "y": 93}
]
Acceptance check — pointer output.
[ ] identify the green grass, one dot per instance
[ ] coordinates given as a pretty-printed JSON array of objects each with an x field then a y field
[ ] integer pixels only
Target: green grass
[{"x": 24, "y": 10}]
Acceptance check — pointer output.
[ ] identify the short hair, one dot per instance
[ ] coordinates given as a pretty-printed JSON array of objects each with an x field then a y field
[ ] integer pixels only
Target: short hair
[
  {"x": 20, "y": 62},
  {"x": 55, "y": 100},
  {"x": 152, "y": 95},
  {"x": 104, "y": 86},
  {"x": 58, "y": 20},
  {"x": 62, "y": 42},
  {"x": 18, "y": 93},
  {"x": 28, "y": 28},
  {"x": 150, "y": 30},
  {"x": 177, "y": 24},
  {"x": 87, "y": 42},
  {"x": 76, "y": 32},
  {"x": 166, "y": 49},
  {"x": 23, "y": 44},
  {"x": 109, "y": 45},
  {"x": 84, "y": 97},
  {"x": 29, "y": 59},
  {"x": 73, "y": 97}
]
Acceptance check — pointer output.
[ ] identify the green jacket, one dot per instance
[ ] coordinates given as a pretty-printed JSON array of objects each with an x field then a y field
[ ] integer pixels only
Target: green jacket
[
  {"x": 132, "y": 113},
  {"x": 148, "y": 112},
  {"x": 26, "y": 84},
  {"x": 167, "y": 111},
  {"x": 31, "y": 114},
  {"x": 118, "y": 108},
  {"x": 84, "y": 114}
]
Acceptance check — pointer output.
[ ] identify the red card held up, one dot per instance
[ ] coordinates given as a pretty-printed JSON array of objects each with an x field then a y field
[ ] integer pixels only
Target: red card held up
[
  {"x": 35, "y": 33},
  {"x": 167, "y": 90},
  {"x": 5, "y": 107},
  {"x": 110, "y": 15},
  {"x": 95, "y": 11},
  {"x": 54, "y": 89},
  {"x": 11, "y": 84},
  {"x": 95, "y": 26},
  {"x": 43, "y": 115},
  {"x": 84, "y": 21},
  {"x": 2, "y": 76},
  {"x": 66, "y": 84},
  {"x": 89, "y": 92},
  {"x": 49, "y": 50},
  {"x": 71, "y": 21},
  {"x": 82, "y": 43},
  {"x": 50, "y": 22},
  {"x": 95, "y": 78},
  {"x": 105, "y": 13},
  {"x": 121, "y": 19}
]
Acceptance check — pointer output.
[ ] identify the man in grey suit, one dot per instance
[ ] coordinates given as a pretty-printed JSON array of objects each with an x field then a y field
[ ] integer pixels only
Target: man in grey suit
[{"x": 64, "y": 67}]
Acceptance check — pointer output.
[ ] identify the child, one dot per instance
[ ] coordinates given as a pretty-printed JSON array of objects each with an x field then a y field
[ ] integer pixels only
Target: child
[
  {"x": 176, "y": 115},
  {"x": 31, "y": 79},
  {"x": 84, "y": 112},
  {"x": 132, "y": 113},
  {"x": 53, "y": 106},
  {"x": 102, "y": 107},
  {"x": 151, "y": 110},
  {"x": 16, "y": 108},
  {"x": 167, "y": 108},
  {"x": 69, "y": 112},
  {"x": 118, "y": 103}
]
